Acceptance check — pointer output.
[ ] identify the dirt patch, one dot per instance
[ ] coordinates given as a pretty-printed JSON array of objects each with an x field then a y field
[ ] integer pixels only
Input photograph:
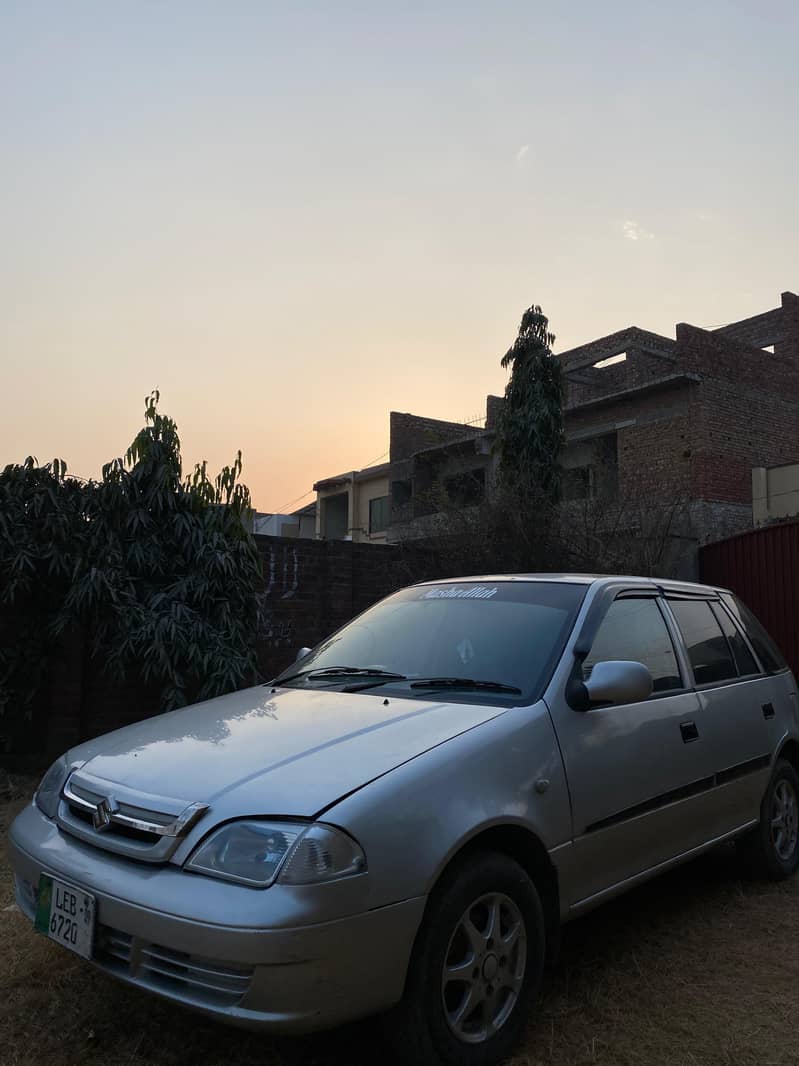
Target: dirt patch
[{"x": 698, "y": 968}]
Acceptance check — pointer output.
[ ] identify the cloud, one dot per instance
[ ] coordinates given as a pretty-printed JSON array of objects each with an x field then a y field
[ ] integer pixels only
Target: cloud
[
  {"x": 634, "y": 232},
  {"x": 709, "y": 217},
  {"x": 522, "y": 153}
]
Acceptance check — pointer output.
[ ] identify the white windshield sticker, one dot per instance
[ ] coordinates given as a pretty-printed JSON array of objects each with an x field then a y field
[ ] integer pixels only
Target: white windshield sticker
[
  {"x": 465, "y": 650},
  {"x": 476, "y": 592}
]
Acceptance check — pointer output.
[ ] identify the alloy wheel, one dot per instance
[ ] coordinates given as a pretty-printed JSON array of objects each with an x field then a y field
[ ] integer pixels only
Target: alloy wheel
[
  {"x": 784, "y": 820},
  {"x": 484, "y": 968}
]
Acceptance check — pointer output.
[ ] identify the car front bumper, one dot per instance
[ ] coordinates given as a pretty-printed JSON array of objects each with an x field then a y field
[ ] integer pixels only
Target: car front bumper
[{"x": 288, "y": 979}]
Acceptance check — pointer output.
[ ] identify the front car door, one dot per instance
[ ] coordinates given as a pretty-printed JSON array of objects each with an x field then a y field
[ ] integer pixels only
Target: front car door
[{"x": 638, "y": 774}]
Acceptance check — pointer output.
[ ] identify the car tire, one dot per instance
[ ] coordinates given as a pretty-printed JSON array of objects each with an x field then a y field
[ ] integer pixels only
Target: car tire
[
  {"x": 475, "y": 969},
  {"x": 771, "y": 850}
]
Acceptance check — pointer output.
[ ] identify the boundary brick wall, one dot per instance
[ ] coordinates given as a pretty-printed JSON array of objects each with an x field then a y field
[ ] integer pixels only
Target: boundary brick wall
[{"x": 312, "y": 587}]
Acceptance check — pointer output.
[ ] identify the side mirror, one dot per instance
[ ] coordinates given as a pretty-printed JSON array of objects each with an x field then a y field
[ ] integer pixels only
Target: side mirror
[
  {"x": 613, "y": 682},
  {"x": 302, "y": 653}
]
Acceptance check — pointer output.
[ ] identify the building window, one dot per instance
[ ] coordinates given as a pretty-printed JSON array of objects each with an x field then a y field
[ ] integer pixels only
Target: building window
[
  {"x": 576, "y": 483},
  {"x": 335, "y": 515},
  {"x": 378, "y": 515},
  {"x": 401, "y": 492},
  {"x": 590, "y": 468}
]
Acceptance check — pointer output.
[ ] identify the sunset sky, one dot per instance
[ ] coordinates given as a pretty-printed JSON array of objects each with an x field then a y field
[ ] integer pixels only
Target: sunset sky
[{"x": 294, "y": 217}]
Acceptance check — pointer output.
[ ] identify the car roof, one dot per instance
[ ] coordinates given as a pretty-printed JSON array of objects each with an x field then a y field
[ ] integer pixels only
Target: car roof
[{"x": 666, "y": 584}]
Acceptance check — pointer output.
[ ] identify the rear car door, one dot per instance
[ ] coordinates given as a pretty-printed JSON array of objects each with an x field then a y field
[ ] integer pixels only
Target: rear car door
[
  {"x": 739, "y": 706},
  {"x": 638, "y": 773},
  {"x": 778, "y": 685}
]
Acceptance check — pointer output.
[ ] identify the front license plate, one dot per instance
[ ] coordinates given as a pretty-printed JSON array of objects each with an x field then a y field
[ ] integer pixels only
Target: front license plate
[{"x": 66, "y": 915}]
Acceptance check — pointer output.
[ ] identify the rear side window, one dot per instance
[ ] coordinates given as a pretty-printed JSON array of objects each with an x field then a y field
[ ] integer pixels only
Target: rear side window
[
  {"x": 707, "y": 647},
  {"x": 744, "y": 659},
  {"x": 765, "y": 648},
  {"x": 634, "y": 629}
]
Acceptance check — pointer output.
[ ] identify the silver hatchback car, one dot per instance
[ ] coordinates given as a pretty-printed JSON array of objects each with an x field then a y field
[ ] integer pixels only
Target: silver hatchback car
[{"x": 400, "y": 822}]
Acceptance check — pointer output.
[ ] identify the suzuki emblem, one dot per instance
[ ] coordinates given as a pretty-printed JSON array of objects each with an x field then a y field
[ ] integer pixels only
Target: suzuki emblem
[{"x": 103, "y": 812}]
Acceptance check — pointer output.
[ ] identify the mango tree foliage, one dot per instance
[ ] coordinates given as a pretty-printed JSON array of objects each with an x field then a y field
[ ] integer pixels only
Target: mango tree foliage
[{"x": 159, "y": 571}]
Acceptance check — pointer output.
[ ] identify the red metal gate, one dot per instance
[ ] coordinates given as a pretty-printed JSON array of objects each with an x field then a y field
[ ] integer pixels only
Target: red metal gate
[{"x": 762, "y": 567}]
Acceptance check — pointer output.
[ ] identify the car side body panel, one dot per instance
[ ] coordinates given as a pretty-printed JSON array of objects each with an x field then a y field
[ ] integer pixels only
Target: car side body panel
[{"x": 411, "y": 823}]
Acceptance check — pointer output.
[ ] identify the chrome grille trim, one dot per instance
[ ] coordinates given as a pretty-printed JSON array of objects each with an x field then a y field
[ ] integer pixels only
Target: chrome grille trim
[
  {"x": 176, "y": 828},
  {"x": 123, "y": 820}
]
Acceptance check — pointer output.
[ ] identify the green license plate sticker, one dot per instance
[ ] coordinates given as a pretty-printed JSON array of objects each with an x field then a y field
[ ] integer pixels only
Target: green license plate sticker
[{"x": 43, "y": 904}]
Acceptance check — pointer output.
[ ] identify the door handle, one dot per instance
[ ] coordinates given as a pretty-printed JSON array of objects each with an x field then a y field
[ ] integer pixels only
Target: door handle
[
  {"x": 689, "y": 732},
  {"x": 768, "y": 710}
]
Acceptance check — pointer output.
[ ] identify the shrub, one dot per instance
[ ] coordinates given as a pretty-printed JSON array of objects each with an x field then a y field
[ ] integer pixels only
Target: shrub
[{"x": 160, "y": 571}]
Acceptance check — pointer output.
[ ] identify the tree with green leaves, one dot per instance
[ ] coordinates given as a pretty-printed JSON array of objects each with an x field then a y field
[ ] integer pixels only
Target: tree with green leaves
[
  {"x": 159, "y": 572},
  {"x": 530, "y": 432}
]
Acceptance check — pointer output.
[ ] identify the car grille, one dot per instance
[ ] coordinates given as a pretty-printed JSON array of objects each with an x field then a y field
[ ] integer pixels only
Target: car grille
[
  {"x": 83, "y": 815},
  {"x": 113, "y": 944},
  {"x": 134, "y": 824},
  {"x": 153, "y": 966}
]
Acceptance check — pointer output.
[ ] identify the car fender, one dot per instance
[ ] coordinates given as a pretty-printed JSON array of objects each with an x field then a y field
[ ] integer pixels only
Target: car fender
[{"x": 412, "y": 821}]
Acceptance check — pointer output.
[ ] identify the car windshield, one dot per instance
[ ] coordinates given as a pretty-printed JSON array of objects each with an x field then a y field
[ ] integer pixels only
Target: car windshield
[{"x": 476, "y": 642}]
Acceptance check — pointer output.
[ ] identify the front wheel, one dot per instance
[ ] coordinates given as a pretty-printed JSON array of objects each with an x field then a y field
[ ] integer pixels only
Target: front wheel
[
  {"x": 771, "y": 850},
  {"x": 476, "y": 967}
]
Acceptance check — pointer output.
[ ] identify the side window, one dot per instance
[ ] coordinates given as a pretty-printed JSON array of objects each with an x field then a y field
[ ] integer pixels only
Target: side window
[
  {"x": 378, "y": 514},
  {"x": 765, "y": 648},
  {"x": 634, "y": 629},
  {"x": 744, "y": 659},
  {"x": 705, "y": 643}
]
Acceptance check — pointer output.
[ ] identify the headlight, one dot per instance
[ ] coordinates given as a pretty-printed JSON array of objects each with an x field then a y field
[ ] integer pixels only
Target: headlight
[
  {"x": 259, "y": 853},
  {"x": 48, "y": 793}
]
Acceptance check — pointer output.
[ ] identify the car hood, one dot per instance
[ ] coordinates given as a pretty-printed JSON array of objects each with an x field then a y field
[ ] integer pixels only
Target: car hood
[{"x": 273, "y": 751}]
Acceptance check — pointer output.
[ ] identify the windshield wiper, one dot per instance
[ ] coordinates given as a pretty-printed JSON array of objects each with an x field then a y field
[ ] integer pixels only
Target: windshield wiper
[
  {"x": 383, "y": 676},
  {"x": 343, "y": 671},
  {"x": 355, "y": 671},
  {"x": 466, "y": 682}
]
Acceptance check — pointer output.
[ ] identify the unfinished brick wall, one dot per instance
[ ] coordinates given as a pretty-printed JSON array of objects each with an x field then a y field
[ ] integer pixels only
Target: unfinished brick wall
[
  {"x": 654, "y": 459},
  {"x": 412, "y": 433},
  {"x": 743, "y": 415},
  {"x": 653, "y": 436},
  {"x": 728, "y": 406},
  {"x": 494, "y": 405},
  {"x": 605, "y": 347},
  {"x": 779, "y": 327},
  {"x": 648, "y": 358},
  {"x": 714, "y": 355}
]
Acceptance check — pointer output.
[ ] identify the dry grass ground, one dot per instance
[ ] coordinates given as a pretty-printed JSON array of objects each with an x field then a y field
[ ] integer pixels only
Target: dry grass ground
[{"x": 698, "y": 967}]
